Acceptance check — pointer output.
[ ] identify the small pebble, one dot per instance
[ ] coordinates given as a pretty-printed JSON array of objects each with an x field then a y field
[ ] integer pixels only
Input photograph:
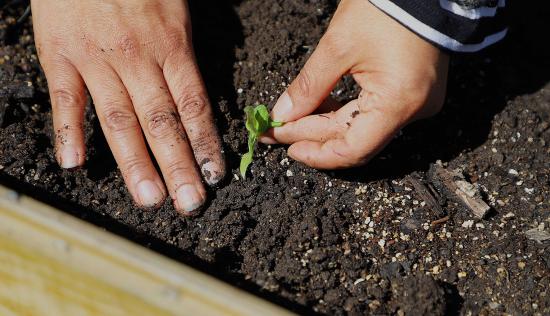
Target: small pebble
[
  {"x": 374, "y": 304},
  {"x": 509, "y": 215},
  {"x": 494, "y": 305},
  {"x": 358, "y": 281}
]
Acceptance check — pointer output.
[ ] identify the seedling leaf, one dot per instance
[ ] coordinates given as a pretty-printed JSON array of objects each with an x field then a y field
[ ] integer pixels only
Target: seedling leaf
[{"x": 257, "y": 122}]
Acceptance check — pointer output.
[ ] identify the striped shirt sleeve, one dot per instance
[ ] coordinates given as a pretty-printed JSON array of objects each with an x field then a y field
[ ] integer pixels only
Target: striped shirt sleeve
[{"x": 454, "y": 25}]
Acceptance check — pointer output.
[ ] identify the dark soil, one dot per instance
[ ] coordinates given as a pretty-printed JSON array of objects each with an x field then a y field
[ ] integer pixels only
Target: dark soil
[{"x": 358, "y": 241}]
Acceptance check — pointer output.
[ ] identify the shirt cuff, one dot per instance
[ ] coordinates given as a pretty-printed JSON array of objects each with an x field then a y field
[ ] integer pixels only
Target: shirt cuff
[{"x": 449, "y": 25}]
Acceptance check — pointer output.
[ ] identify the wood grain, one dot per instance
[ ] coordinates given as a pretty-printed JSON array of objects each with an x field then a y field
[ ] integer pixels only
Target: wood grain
[{"x": 54, "y": 264}]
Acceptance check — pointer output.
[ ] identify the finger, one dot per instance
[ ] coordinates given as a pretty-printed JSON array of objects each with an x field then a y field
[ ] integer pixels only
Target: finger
[
  {"x": 313, "y": 127},
  {"x": 186, "y": 87},
  {"x": 313, "y": 84},
  {"x": 68, "y": 100},
  {"x": 123, "y": 133},
  {"x": 319, "y": 127},
  {"x": 164, "y": 132},
  {"x": 369, "y": 131}
]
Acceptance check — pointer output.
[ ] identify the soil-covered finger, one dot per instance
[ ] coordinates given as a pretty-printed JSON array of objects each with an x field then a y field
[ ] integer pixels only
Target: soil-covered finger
[
  {"x": 161, "y": 124},
  {"x": 193, "y": 106},
  {"x": 124, "y": 136},
  {"x": 68, "y": 100}
]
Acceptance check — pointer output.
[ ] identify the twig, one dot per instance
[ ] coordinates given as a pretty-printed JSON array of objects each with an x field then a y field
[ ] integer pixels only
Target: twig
[
  {"x": 455, "y": 186},
  {"x": 426, "y": 195},
  {"x": 24, "y": 16},
  {"x": 440, "y": 221}
]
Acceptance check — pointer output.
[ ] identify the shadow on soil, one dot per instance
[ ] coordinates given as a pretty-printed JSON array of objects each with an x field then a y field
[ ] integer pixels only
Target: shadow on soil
[{"x": 453, "y": 299}]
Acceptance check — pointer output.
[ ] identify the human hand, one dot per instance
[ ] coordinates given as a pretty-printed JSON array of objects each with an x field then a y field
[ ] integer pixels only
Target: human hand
[
  {"x": 137, "y": 61},
  {"x": 403, "y": 78}
]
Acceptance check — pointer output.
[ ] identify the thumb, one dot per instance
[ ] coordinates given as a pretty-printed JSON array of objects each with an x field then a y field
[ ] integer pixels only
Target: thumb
[{"x": 313, "y": 84}]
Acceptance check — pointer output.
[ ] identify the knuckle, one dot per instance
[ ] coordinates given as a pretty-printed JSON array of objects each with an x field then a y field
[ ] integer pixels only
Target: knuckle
[
  {"x": 91, "y": 49},
  {"x": 161, "y": 123},
  {"x": 179, "y": 171},
  {"x": 205, "y": 143},
  {"x": 334, "y": 45},
  {"x": 128, "y": 45},
  {"x": 303, "y": 82},
  {"x": 175, "y": 41},
  {"x": 133, "y": 167},
  {"x": 175, "y": 48},
  {"x": 54, "y": 44},
  {"x": 191, "y": 106},
  {"x": 65, "y": 99},
  {"x": 118, "y": 119},
  {"x": 50, "y": 47}
]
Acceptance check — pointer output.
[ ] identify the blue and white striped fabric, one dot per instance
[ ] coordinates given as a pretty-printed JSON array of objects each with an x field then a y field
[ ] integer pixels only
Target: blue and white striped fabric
[{"x": 451, "y": 25}]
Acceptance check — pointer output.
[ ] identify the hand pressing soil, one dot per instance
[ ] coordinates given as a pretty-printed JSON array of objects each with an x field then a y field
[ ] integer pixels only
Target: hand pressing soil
[{"x": 137, "y": 62}]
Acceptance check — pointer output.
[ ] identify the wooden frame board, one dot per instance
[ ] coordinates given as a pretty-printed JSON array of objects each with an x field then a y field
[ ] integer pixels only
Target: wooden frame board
[{"x": 54, "y": 264}]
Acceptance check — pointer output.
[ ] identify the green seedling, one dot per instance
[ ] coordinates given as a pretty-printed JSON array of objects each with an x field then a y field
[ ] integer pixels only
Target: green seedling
[{"x": 258, "y": 122}]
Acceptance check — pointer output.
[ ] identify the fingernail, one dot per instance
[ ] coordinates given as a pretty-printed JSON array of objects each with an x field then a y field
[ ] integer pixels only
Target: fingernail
[
  {"x": 149, "y": 193},
  {"x": 188, "y": 198},
  {"x": 283, "y": 108},
  {"x": 211, "y": 172},
  {"x": 69, "y": 157}
]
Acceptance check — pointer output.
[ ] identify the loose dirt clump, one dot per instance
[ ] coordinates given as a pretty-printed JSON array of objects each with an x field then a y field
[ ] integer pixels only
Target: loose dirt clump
[{"x": 382, "y": 239}]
